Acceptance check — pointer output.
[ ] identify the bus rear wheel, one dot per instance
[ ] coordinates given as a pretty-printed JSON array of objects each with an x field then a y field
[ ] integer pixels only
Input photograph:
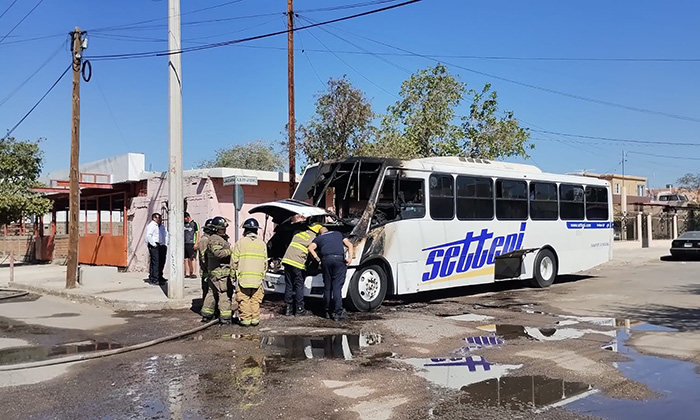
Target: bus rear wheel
[
  {"x": 545, "y": 269},
  {"x": 367, "y": 288}
]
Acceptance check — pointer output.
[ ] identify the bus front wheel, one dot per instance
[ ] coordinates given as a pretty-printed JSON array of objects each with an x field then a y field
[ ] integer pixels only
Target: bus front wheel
[
  {"x": 545, "y": 270},
  {"x": 367, "y": 288}
]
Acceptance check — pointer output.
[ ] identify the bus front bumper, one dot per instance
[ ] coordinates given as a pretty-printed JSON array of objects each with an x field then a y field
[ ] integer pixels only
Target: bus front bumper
[{"x": 313, "y": 285}]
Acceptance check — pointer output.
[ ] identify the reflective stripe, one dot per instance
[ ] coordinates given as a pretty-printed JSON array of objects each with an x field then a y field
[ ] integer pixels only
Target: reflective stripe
[
  {"x": 221, "y": 272},
  {"x": 207, "y": 311},
  {"x": 251, "y": 255},
  {"x": 303, "y": 235},
  {"x": 293, "y": 263},
  {"x": 300, "y": 247},
  {"x": 226, "y": 314},
  {"x": 252, "y": 274}
]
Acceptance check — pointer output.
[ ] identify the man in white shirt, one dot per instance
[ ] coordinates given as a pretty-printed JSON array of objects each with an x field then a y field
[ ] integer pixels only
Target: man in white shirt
[{"x": 157, "y": 241}]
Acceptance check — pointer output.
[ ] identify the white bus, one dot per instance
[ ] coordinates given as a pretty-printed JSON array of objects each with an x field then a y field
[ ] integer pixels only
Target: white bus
[{"x": 435, "y": 223}]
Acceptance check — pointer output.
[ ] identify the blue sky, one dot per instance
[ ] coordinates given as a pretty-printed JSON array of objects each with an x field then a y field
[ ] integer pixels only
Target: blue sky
[{"x": 238, "y": 93}]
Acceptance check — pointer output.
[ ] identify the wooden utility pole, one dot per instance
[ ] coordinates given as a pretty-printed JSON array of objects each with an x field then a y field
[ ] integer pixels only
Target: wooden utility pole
[
  {"x": 292, "y": 122},
  {"x": 74, "y": 202},
  {"x": 176, "y": 204}
]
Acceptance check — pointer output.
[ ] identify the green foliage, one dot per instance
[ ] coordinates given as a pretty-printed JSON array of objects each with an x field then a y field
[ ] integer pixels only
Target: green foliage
[
  {"x": 256, "y": 155},
  {"x": 421, "y": 122},
  {"x": 341, "y": 126},
  {"x": 20, "y": 167},
  {"x": 490, "y": 137}
]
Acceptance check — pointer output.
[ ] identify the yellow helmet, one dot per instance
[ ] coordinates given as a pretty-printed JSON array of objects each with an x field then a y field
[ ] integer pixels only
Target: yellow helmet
[{"x": 315, "y": 227}]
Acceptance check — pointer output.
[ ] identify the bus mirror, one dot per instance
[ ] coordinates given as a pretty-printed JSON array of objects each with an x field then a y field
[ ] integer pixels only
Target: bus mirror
[{"x": 391, "y": 173}]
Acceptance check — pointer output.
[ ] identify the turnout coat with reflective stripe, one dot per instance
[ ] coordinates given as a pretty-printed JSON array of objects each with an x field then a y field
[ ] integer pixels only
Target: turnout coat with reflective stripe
[
  {"x": 249, "y": 261},
  {"x": 298, "y": 250},
  {"x": 218, "y": 257}
]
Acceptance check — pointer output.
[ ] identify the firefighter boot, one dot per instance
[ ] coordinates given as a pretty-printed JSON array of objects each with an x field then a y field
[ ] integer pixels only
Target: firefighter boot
[
  {"x": 290, "y": 310},
  {"x": 300, "y": 311}
]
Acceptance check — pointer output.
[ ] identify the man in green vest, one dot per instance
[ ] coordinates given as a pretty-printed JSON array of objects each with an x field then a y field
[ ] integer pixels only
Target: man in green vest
[
  {"x": 294, "y": 262},
  {"x": 249, "y": 263}
]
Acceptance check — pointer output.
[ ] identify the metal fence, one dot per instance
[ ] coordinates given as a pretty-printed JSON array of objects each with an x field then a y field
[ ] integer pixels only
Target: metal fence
[{"x": 625, "y": 228}]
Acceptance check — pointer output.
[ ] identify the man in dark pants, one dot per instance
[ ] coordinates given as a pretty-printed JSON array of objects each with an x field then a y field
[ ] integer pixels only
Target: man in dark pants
[
  {"x": 331, "y": 246},
  {"x": 156, "y": 239}
]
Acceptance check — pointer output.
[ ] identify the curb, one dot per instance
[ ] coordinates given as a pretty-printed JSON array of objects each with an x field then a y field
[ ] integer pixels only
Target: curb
[{"x": 114, "y": 304}]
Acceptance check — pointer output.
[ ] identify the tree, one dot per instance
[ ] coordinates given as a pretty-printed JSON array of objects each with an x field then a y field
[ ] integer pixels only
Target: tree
[
  {"x": 257, "y": 155},
  {"x": 421, "y": 123},
  {"x": 20, "y": 167},
  {"x": 342, "y": 125},
  {"x": 490, "y": 137},
  {"x": 689, "y": 181}
]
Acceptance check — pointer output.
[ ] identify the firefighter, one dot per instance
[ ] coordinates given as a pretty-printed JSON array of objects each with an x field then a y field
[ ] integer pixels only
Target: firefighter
[
  {"x": 249, "y": 264},
  {"x": 294, "y": 262},
  {"x": 201, "y": 248},
  {"x": 218, "y": 255}
]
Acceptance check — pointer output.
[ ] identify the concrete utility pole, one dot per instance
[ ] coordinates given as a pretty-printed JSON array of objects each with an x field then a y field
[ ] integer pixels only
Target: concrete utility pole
[
  {"x": 292, "y": 122},
  {"x": 73, "y": 200},
  {"x": 176, "y": 211}
]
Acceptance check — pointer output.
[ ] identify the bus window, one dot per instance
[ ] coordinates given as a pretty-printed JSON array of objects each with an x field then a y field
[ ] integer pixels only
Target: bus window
[
  {"x": 410, "y": 199},
  {"x": 543, "y": 201},
  {"x": 474, "y": 198},
  {"x": 442, "y": 197},
  {"x": 511, "y": 200},
  {"x": 596, "y": 203},
  {"x": 571, "y": 202}
]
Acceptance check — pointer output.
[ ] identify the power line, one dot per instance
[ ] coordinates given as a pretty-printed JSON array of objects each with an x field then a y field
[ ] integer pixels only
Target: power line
[
  {"x": 21, "y": 85},
  {"x": 310, "y": 63},
  {"x": 21, "y": 41},
  {"x": 404, "y": 69},
  {"x": 9, "y": 132},
  {"x": 665, "y": 156},
  {"x": 612, "y": 139},
  {"x": 8, "y": 8},
  {"x": 252, "y": 38},
  {"x": 531, "y": 86},
  {"x": 131, "y": 25},
  {"x": 21, "y": 20},
  {"x": 351, "y": 67},
  {"x": 109, "y": 108}
]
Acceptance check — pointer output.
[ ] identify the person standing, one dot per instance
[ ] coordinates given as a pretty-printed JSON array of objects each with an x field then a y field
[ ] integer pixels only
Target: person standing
[
  {"x": 249, "y": 263},
  {"x": 156, "y": 240},
  {"x": 294, "y": 262},
  {"x": 219, "y": 268},
  {"x": 201, "y": 247},
  {"x": 331, "y": 245},
  {"x": 191, "y": 236}
]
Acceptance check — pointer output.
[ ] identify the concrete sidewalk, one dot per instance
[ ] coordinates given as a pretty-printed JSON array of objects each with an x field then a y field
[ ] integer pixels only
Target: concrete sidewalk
[{"x": 119, "y": 291}]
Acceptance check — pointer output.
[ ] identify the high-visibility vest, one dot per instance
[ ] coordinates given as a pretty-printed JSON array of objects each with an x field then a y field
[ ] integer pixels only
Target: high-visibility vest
[
  {"x": 249, "y": 261},
  {"x": 298, "y": 249}
]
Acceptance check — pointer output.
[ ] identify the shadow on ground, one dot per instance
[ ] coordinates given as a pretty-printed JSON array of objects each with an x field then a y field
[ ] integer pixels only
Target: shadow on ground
[
  {"x": 433, "y": 297},
  {"x": 684, "y": 319}
]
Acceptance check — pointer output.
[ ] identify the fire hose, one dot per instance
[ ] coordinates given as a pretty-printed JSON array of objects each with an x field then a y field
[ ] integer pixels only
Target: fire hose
[{"x": 97, "y": 355}]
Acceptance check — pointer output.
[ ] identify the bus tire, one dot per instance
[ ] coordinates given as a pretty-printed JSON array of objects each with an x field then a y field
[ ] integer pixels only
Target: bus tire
[
  {"x": 545, "y": 269},
  {"x": 367, "y": 288}
]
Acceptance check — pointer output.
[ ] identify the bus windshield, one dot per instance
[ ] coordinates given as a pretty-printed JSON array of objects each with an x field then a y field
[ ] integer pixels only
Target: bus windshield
[{"x": 344, "y": 188}]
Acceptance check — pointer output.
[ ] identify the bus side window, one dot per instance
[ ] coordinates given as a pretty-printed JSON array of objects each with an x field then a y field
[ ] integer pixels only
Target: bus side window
[
  {"x": 410, "y": 198},
  {"x": 543, "y": 201},
  {"x": 511, "y": 200},
  {"x": 474, "y": 198},
  {"x": 571, "y": 206},
  {"x": 596, "y": 203},
  {"x": 442, "y": 197}
]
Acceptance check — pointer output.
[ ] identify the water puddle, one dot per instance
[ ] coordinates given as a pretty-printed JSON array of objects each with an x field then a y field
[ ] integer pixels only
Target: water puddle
[
  {"x": 15, "y": 355},
  {"x": 676, "y": 381},
  {"x": 512, "y": 332},
  {"x": 524, "y": 392},
  {"x": 467, "y": 316},
  {"x": 457, "y": 372},
  {"x": 299, "y": 347}
]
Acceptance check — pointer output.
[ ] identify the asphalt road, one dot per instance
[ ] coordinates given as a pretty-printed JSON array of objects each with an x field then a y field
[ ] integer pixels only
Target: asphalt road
[{"x": 619, "y": 342}]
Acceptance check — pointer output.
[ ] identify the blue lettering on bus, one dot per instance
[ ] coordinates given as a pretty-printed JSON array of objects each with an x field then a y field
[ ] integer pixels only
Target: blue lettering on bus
[{"x": 459, "y": 256}]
